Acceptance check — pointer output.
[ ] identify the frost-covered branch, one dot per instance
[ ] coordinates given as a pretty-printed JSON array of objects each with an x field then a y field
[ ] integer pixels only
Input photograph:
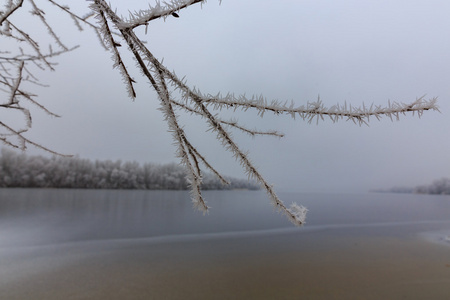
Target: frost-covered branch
[
  {"x": 175, "y": 93},
  {"x": 317, "y": 110},
  {"x": 142, "y": 17},
  {"x": 233, "y": 123},
  {"x": 10, "y": 9},
  {"x": 22, "y": 56},
  {"x": 110, "y": 43}
]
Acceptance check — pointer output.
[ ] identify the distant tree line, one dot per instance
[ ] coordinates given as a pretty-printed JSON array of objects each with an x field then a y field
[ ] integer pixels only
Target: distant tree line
[
  {"x": 437, "y": 187},
  {"x": 21, "y": 170}
]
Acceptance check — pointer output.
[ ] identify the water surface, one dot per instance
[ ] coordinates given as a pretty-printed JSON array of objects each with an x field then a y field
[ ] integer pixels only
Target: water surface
[{"x": 97, "y": 244}]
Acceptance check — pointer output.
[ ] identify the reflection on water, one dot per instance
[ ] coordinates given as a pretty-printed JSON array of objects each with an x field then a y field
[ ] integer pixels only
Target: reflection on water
[{"x": 42, "y": 216}]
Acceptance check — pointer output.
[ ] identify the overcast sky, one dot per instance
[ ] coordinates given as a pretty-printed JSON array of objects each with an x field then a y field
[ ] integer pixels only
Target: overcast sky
[{"x": 343, "y": 50}]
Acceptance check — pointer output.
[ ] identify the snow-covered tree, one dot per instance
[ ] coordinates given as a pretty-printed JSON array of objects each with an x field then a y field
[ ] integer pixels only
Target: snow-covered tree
[
  {"x": 21, "y": 170},
  {"x": 174, "y": 94}
]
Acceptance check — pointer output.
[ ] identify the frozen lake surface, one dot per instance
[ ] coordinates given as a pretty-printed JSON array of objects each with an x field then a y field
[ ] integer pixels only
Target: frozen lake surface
[{"x": 109, "y": 244}]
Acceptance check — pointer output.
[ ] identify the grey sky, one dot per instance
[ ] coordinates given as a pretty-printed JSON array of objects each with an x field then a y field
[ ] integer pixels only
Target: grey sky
[{"x": 354, "y": 51}]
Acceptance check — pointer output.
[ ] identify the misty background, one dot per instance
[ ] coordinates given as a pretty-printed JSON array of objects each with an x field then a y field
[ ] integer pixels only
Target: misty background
[{"x": 354, "y": 51}]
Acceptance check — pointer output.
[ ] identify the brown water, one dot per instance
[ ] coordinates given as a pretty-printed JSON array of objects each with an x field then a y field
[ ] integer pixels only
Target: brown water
[{"x": 67, "y": 244}]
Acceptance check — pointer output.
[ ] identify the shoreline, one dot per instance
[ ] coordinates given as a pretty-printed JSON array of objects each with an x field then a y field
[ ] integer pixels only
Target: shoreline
[{"x": 335, "y": 263}]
